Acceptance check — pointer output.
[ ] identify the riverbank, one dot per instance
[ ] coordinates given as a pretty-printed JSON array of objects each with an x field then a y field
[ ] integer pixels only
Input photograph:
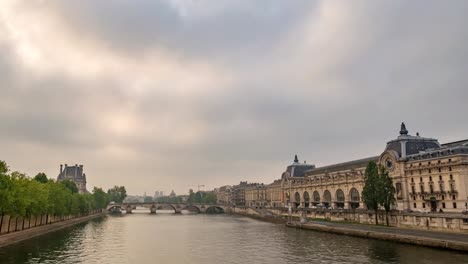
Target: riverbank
[
  {"x": 12, "y": 238},
  {"x": 434, "y": 239},
  {"x": 441, "y": 240}
]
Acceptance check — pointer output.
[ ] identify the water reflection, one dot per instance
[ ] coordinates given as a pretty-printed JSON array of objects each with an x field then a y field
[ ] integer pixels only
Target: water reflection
[{"x": 199, "y": 238}]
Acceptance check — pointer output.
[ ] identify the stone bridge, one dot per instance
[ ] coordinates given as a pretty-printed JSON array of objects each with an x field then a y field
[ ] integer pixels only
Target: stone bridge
[{"x": 177, "y": 207}]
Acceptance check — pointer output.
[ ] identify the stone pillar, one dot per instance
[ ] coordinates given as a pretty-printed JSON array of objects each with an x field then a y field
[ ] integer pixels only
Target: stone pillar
[{"x": 128, "y": 209}]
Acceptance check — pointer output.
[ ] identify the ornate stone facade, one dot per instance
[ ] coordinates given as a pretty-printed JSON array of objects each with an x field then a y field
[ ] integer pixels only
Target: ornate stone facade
[
  {"x": 426, "y": 175},
  {"x": 74, "y": 174}
]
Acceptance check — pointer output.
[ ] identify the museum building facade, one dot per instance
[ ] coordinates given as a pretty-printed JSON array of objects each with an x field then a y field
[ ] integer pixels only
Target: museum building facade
[{"x": 427, "y": 176}]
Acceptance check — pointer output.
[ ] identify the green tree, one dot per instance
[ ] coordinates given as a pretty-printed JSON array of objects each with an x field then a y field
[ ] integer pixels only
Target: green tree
[
  {"x": 100, "y": 198},
  {"x": 148, "y": 199},
  {"x": 41, "y": 177},
  {"x": 6, "y": 191},
  {"x": 3, "y": 168},
  {"x": 117, "y": 194},
  {"x": 70, "y": 185},
  {"x": 371, "y": 193},
  {"x": 209, "y": 198},
  {"x": 58, "y": 198},
  {"x": 387, "y": 191},
  {"x": 191, "y": 198}
]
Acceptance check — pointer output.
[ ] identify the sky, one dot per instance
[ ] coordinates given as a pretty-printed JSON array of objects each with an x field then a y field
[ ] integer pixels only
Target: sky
[{"x": 172, "y": 94}]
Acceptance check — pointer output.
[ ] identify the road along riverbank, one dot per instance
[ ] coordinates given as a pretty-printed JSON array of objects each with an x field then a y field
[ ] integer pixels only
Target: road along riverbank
[
  {"x": 12, "y": 238},
  {"x": 441, "y": 240}
]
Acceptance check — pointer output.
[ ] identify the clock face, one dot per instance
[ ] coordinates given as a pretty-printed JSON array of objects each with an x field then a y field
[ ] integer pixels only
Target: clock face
[{"x": 389, "y": 164}]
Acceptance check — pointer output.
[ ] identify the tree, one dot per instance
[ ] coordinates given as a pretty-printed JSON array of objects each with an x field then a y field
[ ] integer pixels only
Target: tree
[
  {"x": 117, "y": 194},
  {"x": 371, "y": 193},
  {"x": 41, "y": 177},
  {"x": 209, "y": 198},
  {"x": 6, "y": 188},
  {"x": 191, "y": 197},
  {"x": 387, "y": 191},
  {"x": 100, "y": 198},
  {"x": 148, "y": 199},
  {"x": 70, "y": 185}
]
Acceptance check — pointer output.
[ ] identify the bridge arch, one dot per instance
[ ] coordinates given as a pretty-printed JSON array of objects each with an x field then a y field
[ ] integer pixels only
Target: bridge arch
[
  {"x": 165, "y": 207},
  {"x": 214, "y": 209},
  {"x": 191, "y": 208}
]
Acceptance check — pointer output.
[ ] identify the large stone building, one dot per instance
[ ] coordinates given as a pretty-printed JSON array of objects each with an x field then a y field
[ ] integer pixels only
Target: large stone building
[
  {"x": 224, "y": 195},
  {"x": 427, "y": 176},
  {"x": 74, "y": 174},
  {"x": 255, "y": 195}
]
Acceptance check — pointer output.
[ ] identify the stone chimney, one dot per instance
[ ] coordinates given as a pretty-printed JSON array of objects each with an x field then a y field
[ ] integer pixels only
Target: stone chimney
[
  {"x": 61, "y": 169},
  {"x": 76, "y": 170}
]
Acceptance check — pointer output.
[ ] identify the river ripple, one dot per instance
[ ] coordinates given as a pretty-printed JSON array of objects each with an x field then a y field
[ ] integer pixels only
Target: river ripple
[{"x": 165, "y": 238}]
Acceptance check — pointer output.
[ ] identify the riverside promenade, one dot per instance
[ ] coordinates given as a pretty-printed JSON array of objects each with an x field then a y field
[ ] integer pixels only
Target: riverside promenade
[
  {"x": 15, "y": 237},
  {"x": 436, "y": 239}
]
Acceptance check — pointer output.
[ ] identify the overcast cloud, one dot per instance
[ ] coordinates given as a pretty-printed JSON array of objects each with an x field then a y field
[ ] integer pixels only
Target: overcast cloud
[{"x": 168, "y": 94}]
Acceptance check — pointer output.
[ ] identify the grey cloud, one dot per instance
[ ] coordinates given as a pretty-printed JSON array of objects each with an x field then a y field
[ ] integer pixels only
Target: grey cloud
[{"x": 398, "y": 61}]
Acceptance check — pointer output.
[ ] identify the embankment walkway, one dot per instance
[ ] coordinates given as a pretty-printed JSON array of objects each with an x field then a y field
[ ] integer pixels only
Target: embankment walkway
[
  {"x": 12, "y": 238},
  {"x": 454, "y": 241}
]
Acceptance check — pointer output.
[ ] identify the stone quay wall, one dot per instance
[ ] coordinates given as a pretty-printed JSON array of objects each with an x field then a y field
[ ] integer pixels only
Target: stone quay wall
[
  {"x": 22, "y": 229},
  {"x": 425, "y": 221}
]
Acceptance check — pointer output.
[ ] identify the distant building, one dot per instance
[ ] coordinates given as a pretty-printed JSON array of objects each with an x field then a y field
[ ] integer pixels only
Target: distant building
[
  {"x": 158, "y": 194},
  {"x": 224, "y": 195},
  {"x": 426, "y": 175},
  {"x": 173, "y": 194},
  {"x": 74, "y": 174}
]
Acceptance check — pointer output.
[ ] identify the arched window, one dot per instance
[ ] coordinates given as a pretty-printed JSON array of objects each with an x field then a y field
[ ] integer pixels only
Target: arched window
[
  {"x": 316, "y": 198},
  {"x": 354, "y": 194},
  {"x": 340, "y": 198},
  {"x": 340, "y": 195},
  {"x": 306, "y": 199},
  {"x": 326, "y": 198},
  {"x": 297, "y": 199}
]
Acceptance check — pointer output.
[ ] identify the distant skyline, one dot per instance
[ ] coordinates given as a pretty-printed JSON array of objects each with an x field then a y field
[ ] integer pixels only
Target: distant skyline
[{"x": 169, "y": 94}]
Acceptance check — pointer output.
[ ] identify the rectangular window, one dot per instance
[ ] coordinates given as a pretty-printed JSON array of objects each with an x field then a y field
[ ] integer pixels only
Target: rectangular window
[
  {"x": 431, "y": 188},
  {"x": 443, "y": 205},
  {"x": 455, "y": 205},
  {"x": 412, "y": 189},
  {"x": 424, "y": 205},
  {"x": 414, "y": 205}
]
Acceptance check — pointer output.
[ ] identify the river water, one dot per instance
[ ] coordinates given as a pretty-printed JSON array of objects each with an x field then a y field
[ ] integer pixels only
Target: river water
[{"x": 168, "y": 238}]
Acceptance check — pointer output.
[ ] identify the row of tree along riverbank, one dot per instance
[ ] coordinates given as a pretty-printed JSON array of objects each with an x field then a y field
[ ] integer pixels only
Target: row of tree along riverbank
[{"x": 29, "y": 202}]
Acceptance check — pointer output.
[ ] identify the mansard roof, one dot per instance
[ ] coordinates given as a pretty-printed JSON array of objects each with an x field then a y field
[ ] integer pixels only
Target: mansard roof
[
  {"x": 456, "y": 143},
  {"x": 440, "y": 152},
  {"x": 74, "y": 172},
  {"x": 412, "y": 144},
  {"x": 355, "y": 164}
]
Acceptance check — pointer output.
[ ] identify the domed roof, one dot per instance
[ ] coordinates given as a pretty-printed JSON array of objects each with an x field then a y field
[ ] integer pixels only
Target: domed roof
[{"x": 406, "y": 144}]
